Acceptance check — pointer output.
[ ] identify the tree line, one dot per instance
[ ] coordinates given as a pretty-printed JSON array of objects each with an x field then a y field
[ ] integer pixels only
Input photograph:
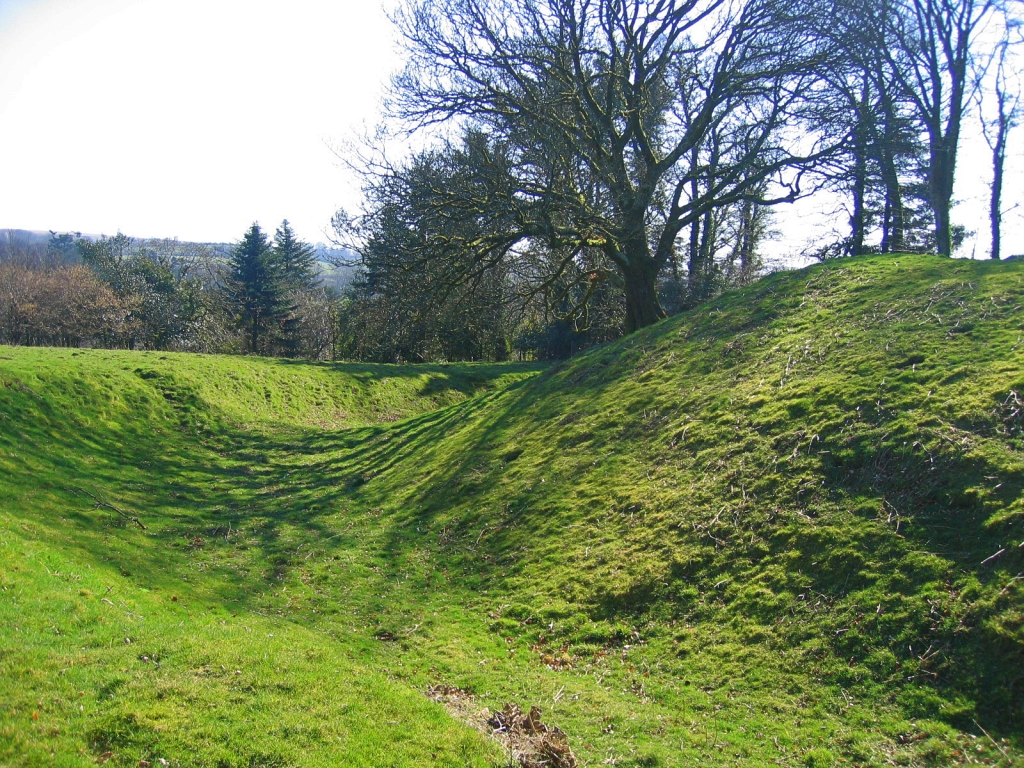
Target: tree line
[
  {"x": 588, "y": 168},
  {"x": 260, "y": 296},
  {"x": 263, "y": 295},
  {"x": 623, "y": 157}
]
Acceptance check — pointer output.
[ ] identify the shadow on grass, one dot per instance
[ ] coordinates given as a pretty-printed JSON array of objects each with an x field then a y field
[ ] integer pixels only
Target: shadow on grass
[{"x": 465, "y": 484}]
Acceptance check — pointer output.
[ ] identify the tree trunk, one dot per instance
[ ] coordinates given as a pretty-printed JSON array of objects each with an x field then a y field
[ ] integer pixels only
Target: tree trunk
[
  {"x": 857, "y": 215},
  {"x": 860, "y": 174},
  {"x": 693, "y": 255},
  {"x": 995, "y": 202},
  {"x": 895, "y": 226},
  {"x": 744, "y": 249},
  {"x": 700, "y": 270},
  {"x": 254, "y": 335},
  {"x": 886, "y": 215},
  {"x": 642, "y": 305},
  {"x": 940, "y": 189},
  {"x": 639, "y": 269}
]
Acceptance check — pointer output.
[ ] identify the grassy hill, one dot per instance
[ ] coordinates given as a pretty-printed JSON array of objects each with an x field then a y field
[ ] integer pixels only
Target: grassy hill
[{"x": 782, "y": 529}]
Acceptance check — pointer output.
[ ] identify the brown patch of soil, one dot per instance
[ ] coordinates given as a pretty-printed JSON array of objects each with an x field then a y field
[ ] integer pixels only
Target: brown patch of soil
[{"x": 532, "y": 743}]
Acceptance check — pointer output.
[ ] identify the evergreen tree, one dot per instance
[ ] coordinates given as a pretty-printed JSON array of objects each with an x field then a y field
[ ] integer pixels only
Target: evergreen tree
[
  {"x": 63, "y": 247},
  {"x": 296, "y": 258},
  {"x": 298, "y": 265},
  {"x": 257, "y": 289}
]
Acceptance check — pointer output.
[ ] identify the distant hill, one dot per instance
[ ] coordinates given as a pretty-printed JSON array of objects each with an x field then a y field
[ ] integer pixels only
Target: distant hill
[
  {"x": 41, "y": 237},
  {"x": 335, "y": 263},
  {"x": 784, "y": 528}
]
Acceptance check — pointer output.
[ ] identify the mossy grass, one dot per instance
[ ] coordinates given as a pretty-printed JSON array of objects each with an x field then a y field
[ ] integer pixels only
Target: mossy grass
[{"x": 782, "y": 529}]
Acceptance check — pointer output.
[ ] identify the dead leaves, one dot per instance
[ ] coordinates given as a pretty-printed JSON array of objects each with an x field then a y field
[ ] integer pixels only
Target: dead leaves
[{"x": 535, "y": 744}]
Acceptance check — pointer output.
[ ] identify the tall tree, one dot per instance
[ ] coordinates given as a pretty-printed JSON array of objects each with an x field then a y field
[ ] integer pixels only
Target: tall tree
[
  {"x": 297, "y": 263},
  {"x": 748, "y": 224},
  {"x": 297, "y": 258},
  {"x": 865, "y": 100},
  {"x": 1004, "y": 91},
  {"x": 257, "y": 289},
  {"x": 594, "y": 120},
  {"x": 936, "y": 42}
]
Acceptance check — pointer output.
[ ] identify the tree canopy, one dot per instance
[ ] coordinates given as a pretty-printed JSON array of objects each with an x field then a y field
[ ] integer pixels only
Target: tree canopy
[
  {"x": 582, "y": 143},
  {"x": 591, "y": 128}
]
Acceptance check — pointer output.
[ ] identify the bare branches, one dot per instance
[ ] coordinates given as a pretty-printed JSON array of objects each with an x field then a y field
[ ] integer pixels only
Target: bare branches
[
  {"x": 98, "y": 502},
  {"x": 998, "y": 82},
  {"x": 578, "y": 118},
  {"x": 931, "y": 61}
]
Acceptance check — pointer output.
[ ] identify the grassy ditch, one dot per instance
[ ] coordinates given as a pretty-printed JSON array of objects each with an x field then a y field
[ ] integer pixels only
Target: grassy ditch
[{"x": 782, "y": 529}]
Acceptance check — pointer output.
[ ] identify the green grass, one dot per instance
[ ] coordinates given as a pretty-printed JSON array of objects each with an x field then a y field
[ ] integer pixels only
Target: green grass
[{"x": 755, "y": 534}]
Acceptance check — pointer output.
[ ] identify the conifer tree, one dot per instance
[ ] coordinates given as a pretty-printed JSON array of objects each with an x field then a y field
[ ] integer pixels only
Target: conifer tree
[
  {"x": 298, "y": 265},
  {"x": 257, "y": 288},
  {"x": 296, "y": 258}
]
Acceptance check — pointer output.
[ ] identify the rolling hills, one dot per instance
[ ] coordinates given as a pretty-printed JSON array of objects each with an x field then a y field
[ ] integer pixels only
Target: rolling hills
[{"x": 784, "y": 528}]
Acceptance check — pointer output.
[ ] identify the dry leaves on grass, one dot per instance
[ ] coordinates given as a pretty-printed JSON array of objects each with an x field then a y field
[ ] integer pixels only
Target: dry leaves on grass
[
  {"x": 532, "y": 743},
  {"x": 535, "y": 744}
]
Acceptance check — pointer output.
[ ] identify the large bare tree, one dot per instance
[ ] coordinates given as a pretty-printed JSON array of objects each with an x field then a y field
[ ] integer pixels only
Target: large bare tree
[
  {"x": 596, "y": 126},
  {"x": 932, "y": 62}
]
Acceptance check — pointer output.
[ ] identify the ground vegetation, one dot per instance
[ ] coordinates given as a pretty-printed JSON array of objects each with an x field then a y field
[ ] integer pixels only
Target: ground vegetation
[{"x": 783, "y": 527}]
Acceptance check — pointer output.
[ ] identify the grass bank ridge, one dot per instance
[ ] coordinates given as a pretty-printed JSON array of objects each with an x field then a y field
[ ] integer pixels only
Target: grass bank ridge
[{"x": 783, "y": 529}]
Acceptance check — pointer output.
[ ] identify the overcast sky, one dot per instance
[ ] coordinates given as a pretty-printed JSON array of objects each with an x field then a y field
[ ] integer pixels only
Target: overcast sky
[{"x": 194, "y": 118}]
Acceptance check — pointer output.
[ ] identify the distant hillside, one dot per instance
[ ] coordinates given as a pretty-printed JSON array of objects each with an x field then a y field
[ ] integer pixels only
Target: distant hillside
[
  {"x": 785, "y": 528},
  {"x": 335, "y": 263}
]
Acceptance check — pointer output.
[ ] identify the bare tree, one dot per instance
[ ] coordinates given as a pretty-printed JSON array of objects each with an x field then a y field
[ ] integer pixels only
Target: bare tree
[
  {"x": 63, "y": 306},
  {"x": 1004, "y": 92},
  {"x": 21, "y": 247},
  {"x": 936, "y": 40},
  {"x": 868, "y": 101},
  {"x": 603, "y": 126}
]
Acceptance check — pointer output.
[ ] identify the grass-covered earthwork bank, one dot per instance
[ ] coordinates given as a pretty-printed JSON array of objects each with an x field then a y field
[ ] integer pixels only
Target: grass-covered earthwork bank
[{"x": 784, "y": 529}]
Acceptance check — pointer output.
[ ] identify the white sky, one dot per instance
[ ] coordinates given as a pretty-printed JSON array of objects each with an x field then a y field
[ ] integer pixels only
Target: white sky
[
  {"x": 194, "y": 118},
  {"x": 186, "y": 118}
]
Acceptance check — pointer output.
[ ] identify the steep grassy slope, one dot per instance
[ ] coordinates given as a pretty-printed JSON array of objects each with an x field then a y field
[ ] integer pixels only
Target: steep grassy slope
[{"x": 785, "y": 529}]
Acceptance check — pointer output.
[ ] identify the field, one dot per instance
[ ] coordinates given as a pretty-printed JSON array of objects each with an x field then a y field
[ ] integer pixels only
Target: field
[{"x": 783, "y": 529}]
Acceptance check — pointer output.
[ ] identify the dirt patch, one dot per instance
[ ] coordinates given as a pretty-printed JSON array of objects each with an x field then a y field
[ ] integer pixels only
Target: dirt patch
[
  {"x": 462, "y": 704},
  {"x": 532, "y": 743}
]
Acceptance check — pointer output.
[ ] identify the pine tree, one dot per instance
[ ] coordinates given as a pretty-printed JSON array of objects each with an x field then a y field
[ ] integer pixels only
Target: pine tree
[
  {"x": 298, "y": 264},
  {"x": 257, "y": 288},
  {"x": 296, "y": 257}
]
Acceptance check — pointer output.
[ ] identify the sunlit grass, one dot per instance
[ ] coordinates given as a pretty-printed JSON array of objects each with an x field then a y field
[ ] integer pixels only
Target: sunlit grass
[{"x": 758, "y": 533}]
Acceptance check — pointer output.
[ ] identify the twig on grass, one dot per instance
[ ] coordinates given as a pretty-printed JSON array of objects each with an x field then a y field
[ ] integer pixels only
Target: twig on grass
[
  {"x": 101, "y": 503},
  {"x": 994, "y": 742},
  {"x": 1009, "y": 584},
  {"x": 993, "y": 557}
]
